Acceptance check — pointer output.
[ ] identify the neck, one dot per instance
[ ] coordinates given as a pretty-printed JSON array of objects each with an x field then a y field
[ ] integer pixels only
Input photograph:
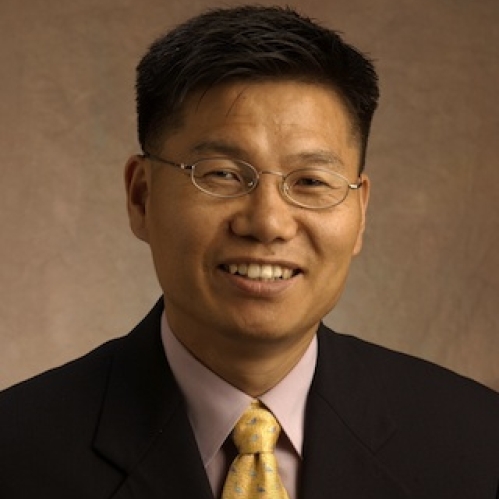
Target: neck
[{"x": 253, "y": 366}]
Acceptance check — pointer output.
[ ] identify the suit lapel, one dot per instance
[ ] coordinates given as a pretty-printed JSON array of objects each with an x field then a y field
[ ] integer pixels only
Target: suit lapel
[
  {"x": 347, "y": 423},
  {"x": 143, "y": 429}
]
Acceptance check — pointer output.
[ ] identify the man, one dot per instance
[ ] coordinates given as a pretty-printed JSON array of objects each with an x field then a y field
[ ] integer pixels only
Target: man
[{"x": 252, "y": 196}]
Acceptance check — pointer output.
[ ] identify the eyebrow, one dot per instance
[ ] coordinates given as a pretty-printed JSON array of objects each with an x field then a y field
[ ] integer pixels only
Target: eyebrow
[
  {"x": 217, "y": 147},
  {"x": 319, "y": 156},
  {"x": 322, "y": 156}
]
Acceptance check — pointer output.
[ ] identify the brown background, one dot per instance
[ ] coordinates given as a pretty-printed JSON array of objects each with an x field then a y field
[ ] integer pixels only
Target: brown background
[{"x": 73, "y": 276}]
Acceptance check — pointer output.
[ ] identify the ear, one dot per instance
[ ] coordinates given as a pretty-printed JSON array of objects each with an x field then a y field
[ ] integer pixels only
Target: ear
[
  {"x": 364, "y": 192},
  {"x": 137, "y": 184}
]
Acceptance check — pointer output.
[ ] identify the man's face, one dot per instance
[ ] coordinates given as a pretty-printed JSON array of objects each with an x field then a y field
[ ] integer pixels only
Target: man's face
[{"x": 196, "y": 239}]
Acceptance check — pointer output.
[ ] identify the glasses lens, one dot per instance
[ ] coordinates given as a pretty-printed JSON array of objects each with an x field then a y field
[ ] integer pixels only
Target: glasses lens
[
  {"x": 223, "y": 177},
  {"x": 316, "y": 187}
]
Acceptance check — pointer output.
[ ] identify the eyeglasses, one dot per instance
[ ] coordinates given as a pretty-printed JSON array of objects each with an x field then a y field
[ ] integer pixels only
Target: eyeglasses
[{"x": 312, "y": 187}]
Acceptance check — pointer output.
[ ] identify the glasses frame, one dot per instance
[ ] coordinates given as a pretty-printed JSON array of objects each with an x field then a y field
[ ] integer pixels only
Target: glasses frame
[{"x": 283, "y": 187}]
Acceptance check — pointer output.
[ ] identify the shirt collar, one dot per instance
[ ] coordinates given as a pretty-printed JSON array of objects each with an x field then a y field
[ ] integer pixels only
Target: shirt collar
[{"x": 214, "y": 406}]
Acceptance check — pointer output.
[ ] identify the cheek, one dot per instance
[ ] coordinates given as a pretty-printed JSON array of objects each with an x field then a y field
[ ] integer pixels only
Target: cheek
[
  {"x": 182, "y": 236},
  {"x": 168, "y": 212},
  {"x": 339, "y": 235}
]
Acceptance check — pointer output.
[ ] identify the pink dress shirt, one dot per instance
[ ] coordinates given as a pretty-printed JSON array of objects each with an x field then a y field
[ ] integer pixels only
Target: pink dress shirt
[{"x": 214, "y": 406}]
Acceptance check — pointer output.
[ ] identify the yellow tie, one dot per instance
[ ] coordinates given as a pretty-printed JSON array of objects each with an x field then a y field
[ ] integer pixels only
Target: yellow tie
[{"x": 254, "y": 474}]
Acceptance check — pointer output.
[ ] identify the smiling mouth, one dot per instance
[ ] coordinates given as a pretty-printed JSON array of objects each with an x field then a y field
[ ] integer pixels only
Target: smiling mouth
[{"x": 261, "y": 272}]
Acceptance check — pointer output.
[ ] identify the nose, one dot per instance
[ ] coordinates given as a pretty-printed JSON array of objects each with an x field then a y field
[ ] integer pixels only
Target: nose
[{"x": 264, "y": 215}]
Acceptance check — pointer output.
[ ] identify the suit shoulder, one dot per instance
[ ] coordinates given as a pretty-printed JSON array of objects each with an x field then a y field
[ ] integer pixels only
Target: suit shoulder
[
  {"x": 401, "y": 374},
  {"x": 82, "y": 377}
]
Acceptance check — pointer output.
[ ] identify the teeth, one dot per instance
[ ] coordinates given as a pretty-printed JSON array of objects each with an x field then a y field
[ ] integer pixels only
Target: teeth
[
  {"x": 266, "y": 272},
  {"x": 256, "y": 271},
  {"x": 277, "y": 272}
]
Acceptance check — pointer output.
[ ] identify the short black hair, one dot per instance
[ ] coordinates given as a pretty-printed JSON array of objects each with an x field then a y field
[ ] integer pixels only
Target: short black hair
[{"x": 249, "y": 43}]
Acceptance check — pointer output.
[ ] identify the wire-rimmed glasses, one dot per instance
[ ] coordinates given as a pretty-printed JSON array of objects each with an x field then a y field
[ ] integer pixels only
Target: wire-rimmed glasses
[{"x": 310, "y": 187}]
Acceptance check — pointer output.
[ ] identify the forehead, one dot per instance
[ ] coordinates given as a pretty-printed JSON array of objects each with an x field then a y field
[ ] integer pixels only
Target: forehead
[
  {"x": 241, "y": 98},
  {"x": 286, "y": 115}
]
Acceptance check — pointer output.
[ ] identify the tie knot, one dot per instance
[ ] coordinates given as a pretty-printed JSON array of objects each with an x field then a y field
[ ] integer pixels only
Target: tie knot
[{"x": 256, "y": 431}]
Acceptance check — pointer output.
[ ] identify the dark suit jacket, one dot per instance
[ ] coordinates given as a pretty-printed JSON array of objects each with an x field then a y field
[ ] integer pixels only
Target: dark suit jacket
[{"x": 379, "y": 425}]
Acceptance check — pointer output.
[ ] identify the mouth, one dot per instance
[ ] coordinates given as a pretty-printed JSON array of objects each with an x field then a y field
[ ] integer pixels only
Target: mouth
[{"x": 261, "y": 272}]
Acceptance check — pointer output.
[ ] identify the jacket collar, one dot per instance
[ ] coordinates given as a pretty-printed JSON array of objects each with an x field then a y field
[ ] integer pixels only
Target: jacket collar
[
  {"x": 143, "y": 429},
  {"x": 347, "y": 423}
]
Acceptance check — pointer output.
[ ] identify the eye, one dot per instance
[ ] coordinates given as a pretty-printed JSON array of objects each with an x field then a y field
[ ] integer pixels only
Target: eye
[
  {"x": 227, "y": 175},
  {"x": 218, "y": 170},
  {"x": 222, "y": 176},
  {"x": 310, "y": 182},
  {"x": 313, "y": 179}
]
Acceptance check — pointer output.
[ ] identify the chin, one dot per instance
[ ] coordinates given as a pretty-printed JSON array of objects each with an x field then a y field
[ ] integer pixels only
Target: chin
[{"x": 265, "y": 333}]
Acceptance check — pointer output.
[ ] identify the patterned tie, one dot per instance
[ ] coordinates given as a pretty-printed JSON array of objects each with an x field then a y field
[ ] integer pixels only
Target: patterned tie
[{"x": 254, "y": 474}]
